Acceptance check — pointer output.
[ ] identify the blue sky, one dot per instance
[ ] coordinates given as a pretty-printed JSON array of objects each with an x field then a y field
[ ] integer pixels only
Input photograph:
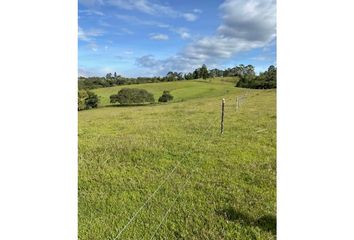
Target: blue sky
[{"x": 152, "y": 37}]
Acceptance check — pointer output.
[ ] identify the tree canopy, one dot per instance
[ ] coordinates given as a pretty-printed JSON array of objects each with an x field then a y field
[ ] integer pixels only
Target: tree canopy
[
  {"x": 166, "y": 96},
  {"x": 132, "y": 96},
  {"x": 245, "y": 72},
  {"x": 87, "y": 100},
  {"x": 264, "y": 80}
]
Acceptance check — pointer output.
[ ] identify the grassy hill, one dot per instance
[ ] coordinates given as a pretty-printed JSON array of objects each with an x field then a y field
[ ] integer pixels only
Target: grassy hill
[
  {"x": 181, "y": 90},
  {"x": 211, "y": 186}
]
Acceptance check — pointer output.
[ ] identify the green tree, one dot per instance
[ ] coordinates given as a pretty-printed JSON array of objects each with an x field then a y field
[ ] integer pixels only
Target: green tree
[
  {"x": 87, "y": 100},
  {"x": 92, "y": 100},
  {"x": 204, "y": 72},
  {"x": 132, "y": 96},
  {"x": 82, "y": 95},
  {"x": 166, "y": 96},
  {"x": 264, "y": 80}
]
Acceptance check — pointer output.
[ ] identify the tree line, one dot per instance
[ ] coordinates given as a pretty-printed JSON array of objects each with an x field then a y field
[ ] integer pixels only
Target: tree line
[
  {"x": 246, "y": 74},
  {"x": 264, "y": 80}
]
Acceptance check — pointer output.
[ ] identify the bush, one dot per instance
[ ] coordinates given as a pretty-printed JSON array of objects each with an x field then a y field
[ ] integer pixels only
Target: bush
[
  {"x": 132, "y": 96},
  {"x": 166, "y": 96},
  {"x": 87, "y": 100}
]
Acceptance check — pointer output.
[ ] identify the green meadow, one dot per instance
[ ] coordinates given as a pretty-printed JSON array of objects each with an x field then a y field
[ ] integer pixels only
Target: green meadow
[{"x": 164, "y": 171}]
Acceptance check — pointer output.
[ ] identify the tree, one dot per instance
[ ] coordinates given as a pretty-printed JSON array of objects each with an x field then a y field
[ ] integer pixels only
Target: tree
[
  {"x": 108, "y": 75},
  {"x": 87, "y": 100},
  {"x": 82, "y": 95},
  {"x": 180, "y": 76},
  {"x": 188, "y": 76},
  {"x": 196, "y": 73},
  {"x": 215, "y": 73},
  {"x": 166, "y": 96},
  {"x": 204, "y": 72},
  {"x": 132, "y": 96},
  {"x": 264, "y": 80},
  {"x": 249, "y": 70},
  {"x": 92, "y": 100}
]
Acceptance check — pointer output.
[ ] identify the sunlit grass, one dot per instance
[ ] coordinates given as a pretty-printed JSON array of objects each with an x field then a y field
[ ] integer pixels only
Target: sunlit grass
[{"x": 126, "y": 152}]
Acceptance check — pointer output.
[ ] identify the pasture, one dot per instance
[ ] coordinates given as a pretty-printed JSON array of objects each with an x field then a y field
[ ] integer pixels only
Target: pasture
[{"x": 192, "y": 182}]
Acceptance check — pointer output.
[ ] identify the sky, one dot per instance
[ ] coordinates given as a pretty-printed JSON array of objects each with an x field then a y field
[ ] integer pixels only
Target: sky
[{"x": 152, "y": 37}]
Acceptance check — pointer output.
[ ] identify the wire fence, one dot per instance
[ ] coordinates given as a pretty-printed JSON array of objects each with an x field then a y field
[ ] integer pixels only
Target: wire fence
[
  {"x": 145, "y": 203},
  {"x": 168, "y": 211},
  {"x": 239, "y": 100}
]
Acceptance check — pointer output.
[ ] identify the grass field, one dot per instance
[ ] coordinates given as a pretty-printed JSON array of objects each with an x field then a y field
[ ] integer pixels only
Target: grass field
[
  {"x": 181, "y": 90},
  {"x": 211, "y": 186}
]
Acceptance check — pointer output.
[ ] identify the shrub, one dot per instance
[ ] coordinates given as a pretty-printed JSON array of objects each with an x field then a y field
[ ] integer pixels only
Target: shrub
[
  {"x": 87, "y": 100},
  {"x": 166, "y": 96},
  {"x": 132, "y": 96}
]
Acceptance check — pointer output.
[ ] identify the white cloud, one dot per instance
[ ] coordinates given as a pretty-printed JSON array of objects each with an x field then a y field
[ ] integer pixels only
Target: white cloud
[
  {"x": 247, "y": 24},
  {"x": 91, "y": 2},
  {"x": 135, "y": 20},
  {"x": 140, "y": 5},
  {"x": 104, "y": 23},
  {"x": 86, "y": 72},
  {"x": 160, "y": 37},
  {"x": 146, "y": 6},
  {"x": 91, "y": 12},
  {"x": 182, "y": 32},
  {"x": 185, "y": 35},
  {"x": 82, "y": 35},
  {"x": 196, "y": 10},
  {"x": 253, "y": 20},
  {"x": 148, "y": 61},
  {"x": 126, "y": 31},
  {"x": 190, "y": 17},
  {"x": 88, "y": 35}
]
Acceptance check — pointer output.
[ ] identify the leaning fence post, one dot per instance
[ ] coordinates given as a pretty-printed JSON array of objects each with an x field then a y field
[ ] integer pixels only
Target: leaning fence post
[{"x": 222, "y": 115}]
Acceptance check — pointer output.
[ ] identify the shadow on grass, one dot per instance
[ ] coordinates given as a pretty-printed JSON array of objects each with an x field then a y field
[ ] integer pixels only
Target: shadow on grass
[
  {"x": 142, "y": 104},
  {"x": 132, "y": 105},
  {"x": 266, "y": 222}
]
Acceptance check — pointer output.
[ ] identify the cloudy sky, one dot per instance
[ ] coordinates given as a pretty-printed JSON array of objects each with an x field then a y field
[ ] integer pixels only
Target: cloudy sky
[{"x": 153, "y": 37}]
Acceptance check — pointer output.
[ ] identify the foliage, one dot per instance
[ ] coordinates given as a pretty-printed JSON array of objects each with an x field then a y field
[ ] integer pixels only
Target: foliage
[
  {"x": 82, "y": 96},
  {"x": 166, "y": 96},
  {"x": 201, "y": 72},
  {"x": 87, "y": 100},
  {"x": 204, "y": 72},
  {"x": 132, "y": 96},
  {"x": 265, "y": 80},
  {"x": 110, "y": 80}
]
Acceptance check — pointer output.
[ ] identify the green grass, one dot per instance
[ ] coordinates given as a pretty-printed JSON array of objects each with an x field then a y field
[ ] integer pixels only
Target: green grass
[
  {"x": 226, "y": 183},
  {"x": 181, "y": 90}
]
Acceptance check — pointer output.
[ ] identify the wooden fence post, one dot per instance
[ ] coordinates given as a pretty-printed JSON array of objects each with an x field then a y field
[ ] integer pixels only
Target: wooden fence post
[{"x": 222, "y": 115}]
